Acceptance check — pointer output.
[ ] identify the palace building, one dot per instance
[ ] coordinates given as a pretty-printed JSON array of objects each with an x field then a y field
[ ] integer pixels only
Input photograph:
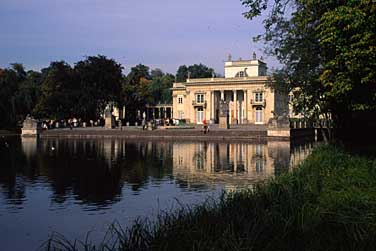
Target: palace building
[{"x": 244, "y": 87}]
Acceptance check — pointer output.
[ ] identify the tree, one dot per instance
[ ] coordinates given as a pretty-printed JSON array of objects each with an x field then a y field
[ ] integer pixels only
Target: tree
[
  {"x": 100, "y": 81},
  {"x": 348, "y": 39},
  {"x": 28, "y": 93},
  {"x": 19, "y": 91},
  {"x": 58, "y": 92},
  {"x": 160, "y": 87},
  {"x": 327, "y": 49},
  {"x": 155, "y": 73},
  {"x": 196, "y": 71},
  {"x": 9, "y": 81},
  {"x": 135, "y": 91}
]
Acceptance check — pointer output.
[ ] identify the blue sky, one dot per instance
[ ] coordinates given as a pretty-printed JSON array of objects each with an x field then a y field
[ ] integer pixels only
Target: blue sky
[{"x": 158, "y": 33}]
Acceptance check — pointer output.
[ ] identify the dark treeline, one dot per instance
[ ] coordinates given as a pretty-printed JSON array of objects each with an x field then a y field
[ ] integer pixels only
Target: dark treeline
[{"x": 61, "y": 91}]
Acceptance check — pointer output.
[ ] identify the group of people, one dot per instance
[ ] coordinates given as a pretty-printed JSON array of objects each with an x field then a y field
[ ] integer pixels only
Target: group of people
[{"x": 69, "y": 123}]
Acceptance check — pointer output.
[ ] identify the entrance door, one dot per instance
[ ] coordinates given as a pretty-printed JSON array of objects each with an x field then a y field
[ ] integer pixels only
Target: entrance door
[
  {"x": 199, "y": 115},
  {"x": 258, "y": 116}
]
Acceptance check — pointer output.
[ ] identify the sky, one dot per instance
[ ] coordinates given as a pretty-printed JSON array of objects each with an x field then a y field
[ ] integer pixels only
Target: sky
[{"x": 158, "y": 33}]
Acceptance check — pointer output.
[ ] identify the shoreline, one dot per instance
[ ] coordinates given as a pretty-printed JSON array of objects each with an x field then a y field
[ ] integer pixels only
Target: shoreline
[
  {"x": 239, "y": 133},
  {"x": 162, "y": 134}
]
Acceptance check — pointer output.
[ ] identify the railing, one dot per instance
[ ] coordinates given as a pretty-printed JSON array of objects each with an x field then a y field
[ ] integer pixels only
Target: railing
[
  {"x": 196, "y": 103},
  {"x": 258, "y": 102},
  {"x": 296, "y": 123}
]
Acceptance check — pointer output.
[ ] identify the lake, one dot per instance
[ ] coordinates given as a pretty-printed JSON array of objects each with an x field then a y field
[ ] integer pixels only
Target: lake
[{"x": 73, "y": 186}]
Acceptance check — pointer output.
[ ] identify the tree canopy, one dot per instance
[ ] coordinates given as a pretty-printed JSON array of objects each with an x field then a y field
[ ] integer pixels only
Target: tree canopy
[
  {"x": 195, "y": 71},
  {"x": 19, "y": 91},
  {"x": 57, "y": 98},
  {"x": 328, "y": 53},
  {"x": 100, "y": 81},
  {"x": 62, "y": 91}
]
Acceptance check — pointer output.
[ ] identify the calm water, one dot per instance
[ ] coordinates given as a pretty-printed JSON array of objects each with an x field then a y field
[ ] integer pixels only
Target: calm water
[{"x": 73, "y": 186}]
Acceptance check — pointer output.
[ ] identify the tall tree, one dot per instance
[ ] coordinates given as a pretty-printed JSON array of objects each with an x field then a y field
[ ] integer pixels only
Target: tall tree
[
  {"x": 28, "y": 93},
  {"x": 159, "y": 87},
  {"x": 9, "y": 82},
  {"x": 58, "y": 97},
  {"x": 135, "y": 91},
  {"x": 19, "y": 92},
  {"x": 327, "y": 49},
  {"x": 100, "y": 80},
  {"x": 348, "y": 38}
]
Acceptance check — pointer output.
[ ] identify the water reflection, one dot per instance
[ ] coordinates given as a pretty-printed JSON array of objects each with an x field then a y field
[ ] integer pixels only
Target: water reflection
[
  {"x": 75, "y": 185},
  {"x": 94, "y": 171},
  {"x": 235, "y": 164}
]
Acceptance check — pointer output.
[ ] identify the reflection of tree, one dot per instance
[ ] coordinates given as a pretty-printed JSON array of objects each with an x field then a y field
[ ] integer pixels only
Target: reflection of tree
[
  {"x": 280, "y": 153},
  {"x": 146, "y": 160},
  {"x": 82, "y": 169},
  {"x": 14, "y": 163}
]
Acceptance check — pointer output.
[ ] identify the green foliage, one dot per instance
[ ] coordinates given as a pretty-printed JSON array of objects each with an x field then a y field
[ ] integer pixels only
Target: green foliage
[
  {"x": 135, "y": 91},
  {"x": 8, "y": 87},
  {"x": 195, "y": 71},
  {"x": 60, "y": 91},
  {"x": 142, "y": 86},
  {"x": 18, "y": 94},
  {"x": 100, "y": 82},
  {"x": 159, "y": 88},
  {"x": 328, "y": 203},
  {"x": 57, "y": 92},
  {"x": 328, "y": 52},
  {"x": 348, "y": 41}
]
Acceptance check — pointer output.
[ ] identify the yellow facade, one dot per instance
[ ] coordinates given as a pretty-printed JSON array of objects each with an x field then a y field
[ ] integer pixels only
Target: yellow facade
[{"x": 244, "y": 86}]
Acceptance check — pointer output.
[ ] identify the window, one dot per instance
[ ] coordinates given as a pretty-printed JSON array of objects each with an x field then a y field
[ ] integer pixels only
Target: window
[
  {"x": 200, "y": 98},
  {"x": 241, "y": 74},
  {"x": 180, "y": 100},
  {"x": 259, "y": 96}
]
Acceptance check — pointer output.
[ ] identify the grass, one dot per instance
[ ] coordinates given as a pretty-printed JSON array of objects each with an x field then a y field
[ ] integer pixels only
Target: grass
[{"x": 328, "y": 203}]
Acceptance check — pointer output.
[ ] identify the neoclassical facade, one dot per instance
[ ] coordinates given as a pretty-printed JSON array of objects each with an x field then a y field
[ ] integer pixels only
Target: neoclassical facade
[{"x": 245, "y": 88}]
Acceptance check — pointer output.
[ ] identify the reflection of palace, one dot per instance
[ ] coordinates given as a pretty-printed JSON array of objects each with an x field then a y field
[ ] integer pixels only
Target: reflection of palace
[
  {"x": 250, "y": 160},
  {"x": 243, "y": 162}
]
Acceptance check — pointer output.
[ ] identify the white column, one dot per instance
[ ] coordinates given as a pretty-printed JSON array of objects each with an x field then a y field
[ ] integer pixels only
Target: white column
[
  {"x": 246, "y": 104},
  {"x": 235, "y": 158},
  {"x": 212, "y": 115},
  {"x": 235, "y": 107},
  {"x": 222, "y": 95}
]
